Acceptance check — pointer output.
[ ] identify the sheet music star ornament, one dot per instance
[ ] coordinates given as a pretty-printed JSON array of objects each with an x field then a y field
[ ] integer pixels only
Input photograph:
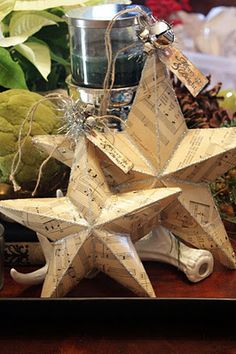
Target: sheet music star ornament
[
  {"x": 163, "y": 152},
  {"x": 91, "y": 227}
]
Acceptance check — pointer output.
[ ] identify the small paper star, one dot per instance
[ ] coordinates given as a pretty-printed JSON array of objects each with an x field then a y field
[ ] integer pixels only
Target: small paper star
[{"x": 92, "y": 227}]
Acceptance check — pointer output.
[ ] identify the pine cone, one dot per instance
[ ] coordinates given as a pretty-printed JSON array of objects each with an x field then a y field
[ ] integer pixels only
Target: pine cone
[{"x": 202, "y": 111}]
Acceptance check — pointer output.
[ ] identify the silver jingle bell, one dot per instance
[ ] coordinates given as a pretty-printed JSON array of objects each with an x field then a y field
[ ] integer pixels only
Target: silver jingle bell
[
  {"x": 90, "y": 122},
  {"x": 161, "y": 34}
]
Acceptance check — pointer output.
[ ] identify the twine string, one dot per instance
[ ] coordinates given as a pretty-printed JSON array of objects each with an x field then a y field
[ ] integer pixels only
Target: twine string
[
  {"x": 110, "y": 73},
  {"x": 65, "y": 104}
]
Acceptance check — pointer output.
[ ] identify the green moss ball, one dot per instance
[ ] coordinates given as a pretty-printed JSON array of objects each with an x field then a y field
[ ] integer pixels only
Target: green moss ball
[{"x": 14, "y": 107}]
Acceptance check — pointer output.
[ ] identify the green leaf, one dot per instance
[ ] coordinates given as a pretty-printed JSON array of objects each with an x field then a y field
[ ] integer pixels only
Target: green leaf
[
  {"x": 22, "y": 5},
  {"x": 17, "y": 16},
  {"x": 25, "y": 24},
  {"x": 38, "y": 54},
  {"x": 11, "y": 74},
  {"x": 28, "y": 23},
  {"x": 3, "y": 29},
  {"x": 11, "y": 41},
  {"x": 59, "y": 59},
  {"x": 6, "y": 6}
]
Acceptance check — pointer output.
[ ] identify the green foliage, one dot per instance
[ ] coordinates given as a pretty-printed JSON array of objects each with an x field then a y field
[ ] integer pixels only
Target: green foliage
[
  {"x": 34, "y": 43},
  {"x": 14, "y": 106},
  {"x": 6, "y": 6},
  {"x": 11, "y": 73},
  {"x": 231, "y": 123},
  {"x": 34, "y": 50}
]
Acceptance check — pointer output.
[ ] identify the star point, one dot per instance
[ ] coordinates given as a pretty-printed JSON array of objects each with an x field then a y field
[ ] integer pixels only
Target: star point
[{"x": 92, "y": 227}]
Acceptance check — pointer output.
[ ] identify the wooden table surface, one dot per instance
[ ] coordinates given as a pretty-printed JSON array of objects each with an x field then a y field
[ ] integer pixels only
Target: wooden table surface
[
  {"x": 111, "y": 338},
  {"x": 167, "y": 281},
  {"x": 137, "y": 335}
]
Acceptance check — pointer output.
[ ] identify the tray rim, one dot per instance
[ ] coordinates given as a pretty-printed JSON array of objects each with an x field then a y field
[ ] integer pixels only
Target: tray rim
[{"x": 167, "y": 310}]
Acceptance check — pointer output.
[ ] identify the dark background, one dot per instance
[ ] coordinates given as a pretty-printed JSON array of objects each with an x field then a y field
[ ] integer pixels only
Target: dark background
[
  {"x": 205, "y": 5},
  {"x": 201, "y": 6}
]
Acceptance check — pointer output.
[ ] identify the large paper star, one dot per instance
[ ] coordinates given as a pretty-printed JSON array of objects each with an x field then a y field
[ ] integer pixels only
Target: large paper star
[
  {"x": 159, "y": 150},
  {"x": 92, "y": 227}
]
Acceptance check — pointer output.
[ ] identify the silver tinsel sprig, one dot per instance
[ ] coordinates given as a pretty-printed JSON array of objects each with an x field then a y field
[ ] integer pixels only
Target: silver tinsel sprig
[{"x": 79, "y": 118}]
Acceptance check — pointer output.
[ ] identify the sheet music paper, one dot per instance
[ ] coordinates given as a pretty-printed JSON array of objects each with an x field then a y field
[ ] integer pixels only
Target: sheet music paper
[
  {"x": 164, "y": 152},
  {"x": 92, "y": 227}
]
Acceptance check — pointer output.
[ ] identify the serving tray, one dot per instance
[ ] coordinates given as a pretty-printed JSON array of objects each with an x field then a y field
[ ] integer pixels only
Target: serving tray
[{"x": 102, "y": 298}]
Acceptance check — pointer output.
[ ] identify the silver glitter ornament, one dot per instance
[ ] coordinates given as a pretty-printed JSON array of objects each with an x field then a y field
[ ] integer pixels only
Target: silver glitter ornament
[{"x": 161, "y": 34}]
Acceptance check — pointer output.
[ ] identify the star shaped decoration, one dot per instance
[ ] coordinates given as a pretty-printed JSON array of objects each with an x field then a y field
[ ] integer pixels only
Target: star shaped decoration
[
  {"x": 91, "y": 227},
  {"x": 160, "y": 151}
]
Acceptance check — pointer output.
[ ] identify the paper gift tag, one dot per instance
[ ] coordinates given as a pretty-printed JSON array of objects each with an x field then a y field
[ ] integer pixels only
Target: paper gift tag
[{"x": 184, "y": 69}]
